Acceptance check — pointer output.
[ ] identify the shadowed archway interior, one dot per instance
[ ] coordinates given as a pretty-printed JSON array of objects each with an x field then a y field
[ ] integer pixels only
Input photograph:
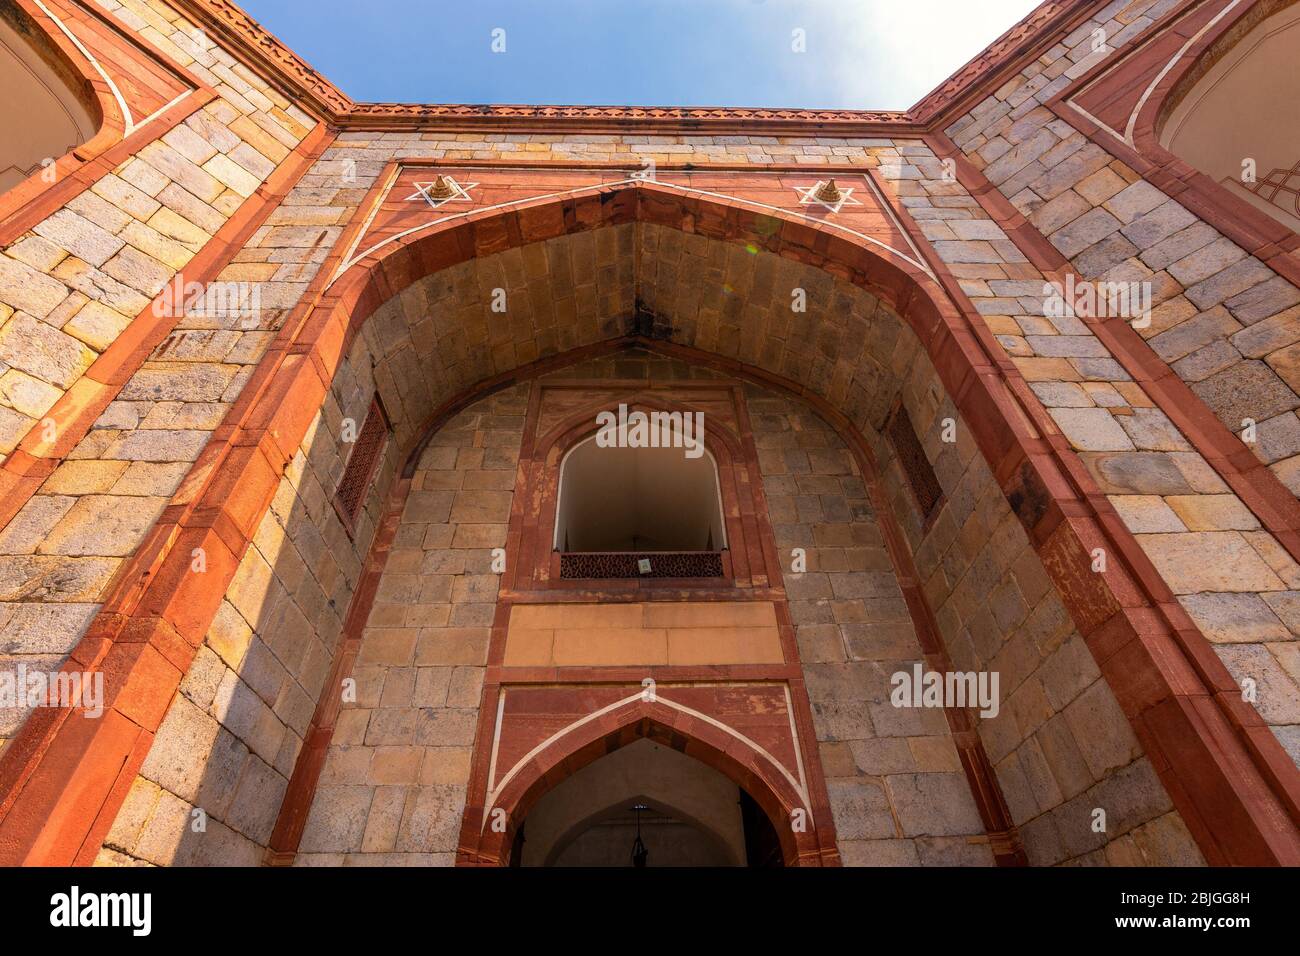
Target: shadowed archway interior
[
  {"x": 435, "y": 335},
  {"x": 690, "y": 816}
]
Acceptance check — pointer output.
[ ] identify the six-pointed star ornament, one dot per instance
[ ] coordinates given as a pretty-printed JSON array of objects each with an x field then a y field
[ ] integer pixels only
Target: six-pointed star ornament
[
  {"x": 827, "y": 194},
  {"x": 444, "y": 189}
]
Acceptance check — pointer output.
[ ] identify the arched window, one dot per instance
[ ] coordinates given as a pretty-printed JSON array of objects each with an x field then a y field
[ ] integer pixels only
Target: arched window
[
  {"x": 629, "y": 512},
  {"x": 45, "y": 111},
  {"x": 1240, "y": 123}
]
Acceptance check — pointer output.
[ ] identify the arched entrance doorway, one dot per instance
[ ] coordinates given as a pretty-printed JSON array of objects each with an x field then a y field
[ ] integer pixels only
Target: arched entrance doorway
[
  {"x": 683, "y": 812},
  {"x": 709, "y": 795}
]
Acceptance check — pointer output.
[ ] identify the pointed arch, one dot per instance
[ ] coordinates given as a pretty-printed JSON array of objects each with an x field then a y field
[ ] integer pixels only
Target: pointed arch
[{"x": 782, "y": 797}]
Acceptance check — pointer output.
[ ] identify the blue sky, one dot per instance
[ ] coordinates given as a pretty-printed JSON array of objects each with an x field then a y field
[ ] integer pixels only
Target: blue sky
[{"x": 860, "y": 54}]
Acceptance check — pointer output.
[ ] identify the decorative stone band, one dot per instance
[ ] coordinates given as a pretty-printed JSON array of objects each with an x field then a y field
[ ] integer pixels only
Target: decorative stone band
[{"x": 627, "y": 564}]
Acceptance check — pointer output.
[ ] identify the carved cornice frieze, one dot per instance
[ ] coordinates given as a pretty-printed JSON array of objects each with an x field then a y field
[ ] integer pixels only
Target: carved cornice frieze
[
  {"x": 588, "y": 117},
  {"x": 226, "y": 21}
]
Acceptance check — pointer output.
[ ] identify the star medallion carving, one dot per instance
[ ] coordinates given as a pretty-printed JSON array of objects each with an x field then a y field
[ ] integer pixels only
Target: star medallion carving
[
  {"x": 827, "y": 194},
  {"x": 442, "y": 190}
]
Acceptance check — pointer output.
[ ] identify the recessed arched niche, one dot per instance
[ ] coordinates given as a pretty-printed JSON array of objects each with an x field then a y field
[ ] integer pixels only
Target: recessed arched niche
[
  {"x": 1239, "y": 120},
  {"x": 45, "y": 111}
]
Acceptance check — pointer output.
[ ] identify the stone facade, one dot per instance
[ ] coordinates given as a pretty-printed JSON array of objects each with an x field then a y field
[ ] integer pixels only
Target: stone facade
[{"x": 120, "y": 421}]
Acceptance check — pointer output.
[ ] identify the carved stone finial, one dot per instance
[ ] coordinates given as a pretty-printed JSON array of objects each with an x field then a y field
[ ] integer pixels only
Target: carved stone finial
[
  {"x": 442, "y": 189},
  {"x": 828, "y": 192}
]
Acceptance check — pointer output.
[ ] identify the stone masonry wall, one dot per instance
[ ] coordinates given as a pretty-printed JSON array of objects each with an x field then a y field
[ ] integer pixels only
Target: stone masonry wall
[
  {"x": 1226, "y": 324},
  {"x": 898, "y": 793},
  {"x": 70, "y": 286},
  {"x": 230, "y": 739},
  {"x": 68, "y": 289},
  {"x": 850, "y": 349},
  {"x": 393, "y": 787},
  {"x": 1060, "y": 745}
]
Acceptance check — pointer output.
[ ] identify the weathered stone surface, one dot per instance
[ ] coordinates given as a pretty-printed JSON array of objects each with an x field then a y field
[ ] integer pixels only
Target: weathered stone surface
[
  {"x": 1209, "y": 561},
  {"x": 45, "y": 352},
  {"x": 1145, "y": 514},
  {"x": 1091, "y": 429},
  {"x": 97, "y": 325},
  {"x": 1263, "y": 300},
  {"x": 1235, "y": 280},
  {"x": 1277, "y": 696},
  {"x": 1235, "y": 618},
  {"x": 933, "y": 804},
  {"x": 1247, "y": 390},
  {"x": 1277, "y": 332},
  {"x": 160, "y": 445},
  {"x": 79, "y": 236},
  {"x": 861, "y": 810},
  {"x": 1135, "y": 200},
  {"x": 1083, "y": 232},
  {"x": 1196, "y": 332},
  {"x": 177, "y": 761},
  {"x": 102, "y": 525},
  {"x": 54, "y": 579},
  {"x": 1158, "y": 224},
  {"x": 1213, "y": 512},
  {"x": 432, "y": 820},
  {"x": 33, "y": 523},
  {"x": 44, "y": 629},
  {"x": 1206, "y": 262},
  {"x": 29, "y": 290},
  {"x": 337, "y": 820},
  {"x": 28, "y": 395},
  {"x": 1151, "y": 430}
]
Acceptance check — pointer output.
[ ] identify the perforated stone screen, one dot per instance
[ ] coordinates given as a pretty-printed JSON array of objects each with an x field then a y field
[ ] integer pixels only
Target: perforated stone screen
[
  {"x": 920, "y": 475},
  {"x": 689, "y": 564},
  {"x": 351, "y": 492}
]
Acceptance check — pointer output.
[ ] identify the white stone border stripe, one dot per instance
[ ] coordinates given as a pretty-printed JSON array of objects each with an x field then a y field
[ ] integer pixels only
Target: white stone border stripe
[
  {"x": 117, "y": 94},
  {"x": 495, "y": 792},
  {"x": 131, "y": 124},
  {"x": 1127, "y": 136},
  {"x": 917, "y": 262},
  {"x": 1132, "y": 120}
]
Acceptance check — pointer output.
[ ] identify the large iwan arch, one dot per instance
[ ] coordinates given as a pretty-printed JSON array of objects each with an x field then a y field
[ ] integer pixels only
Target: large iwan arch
[{"x": 1143, "y": 649}]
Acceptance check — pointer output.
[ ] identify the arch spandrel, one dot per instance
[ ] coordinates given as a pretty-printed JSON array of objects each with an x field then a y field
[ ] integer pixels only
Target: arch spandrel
[{"x": 625, "y": 719}]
